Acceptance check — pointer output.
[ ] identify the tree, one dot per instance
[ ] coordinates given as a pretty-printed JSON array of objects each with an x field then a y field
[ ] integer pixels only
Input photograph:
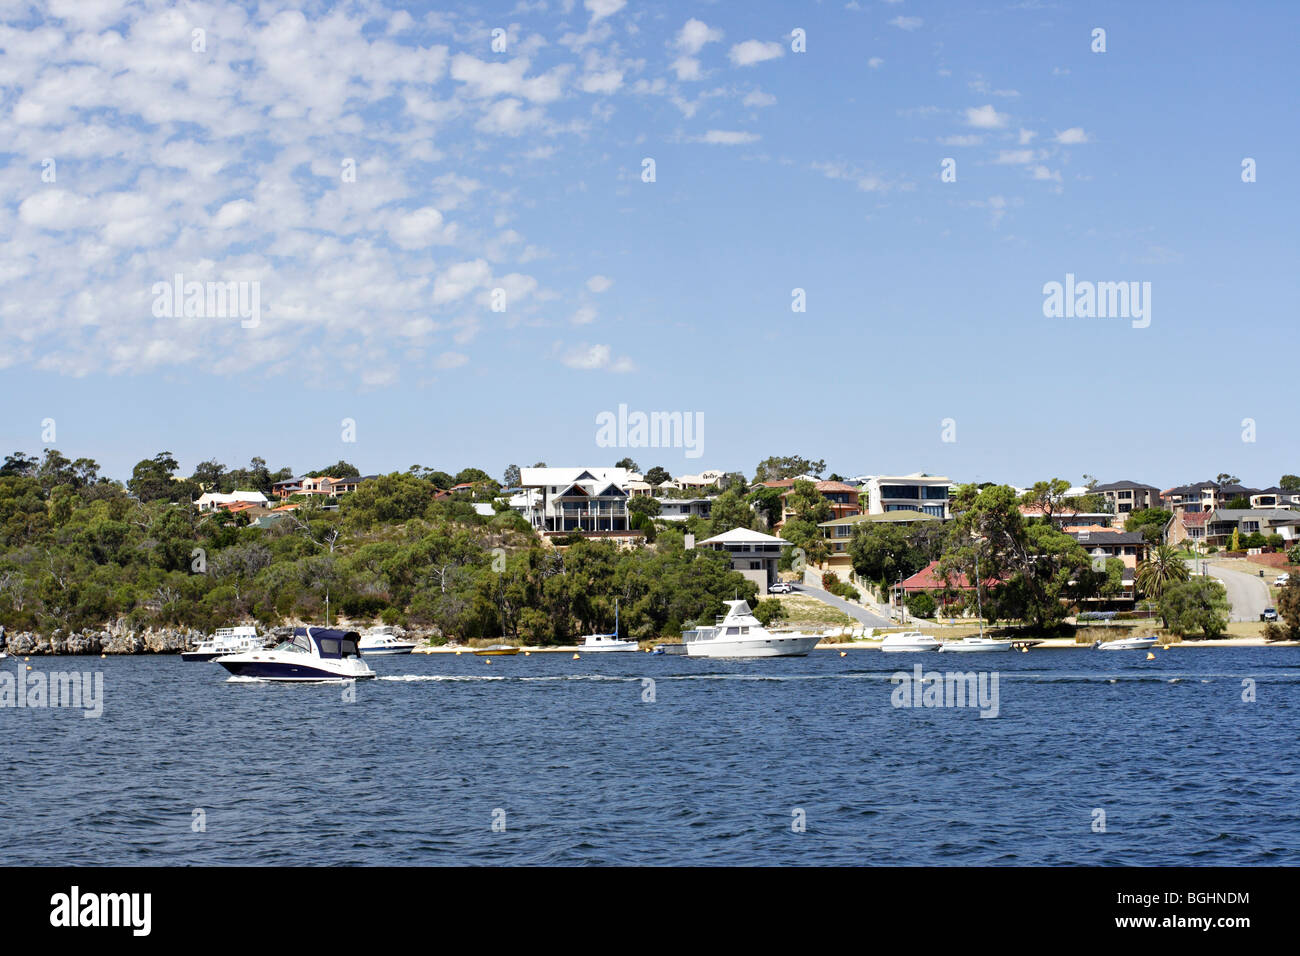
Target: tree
[
  {"x": 1236, "y": 540},
  {"x": 151, "y": 479},
  {"x": 657, "y": 475},
  {"x": 1239, "y": 502},
  {"x": 779, "y": 469},
  {"x": 643, "y": 505},
  {"x": 730, "y": 510},
  {"x": 1151, "y": 522},
  {"x": 340, "y": 469},
  {"x": 1289, "y": 483},
  {"x": 18, "y": 465},
  {"x": 388, "y": 499},
  {"x": 1195, "y": 605},
  {"x": 1162, "y": 569},
  {"x": 1224, "y": 478},
  {"x": 806, "y": 503},
  {"x": 629, "y": 464},
  {"x": 1047, "y": 496},
  {"x": 884, "y": 551},
  {"x": 767, "y": 502},
  {"x": 511, "y": 478}
]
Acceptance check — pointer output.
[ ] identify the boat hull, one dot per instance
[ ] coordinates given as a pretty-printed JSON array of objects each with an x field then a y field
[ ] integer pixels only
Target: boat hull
[
  {"x": 909, "y": 648},
  {"x": 961, "y": 647},
  {"x": 294, "y": 671},
  {"x": 1140, "y": 644},
  {"x": 764, "y": 647},
  {"x": 386, "y": 651}
]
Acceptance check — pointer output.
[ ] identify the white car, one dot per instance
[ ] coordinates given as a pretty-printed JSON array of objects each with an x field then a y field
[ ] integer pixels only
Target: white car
[
  {"x": 780, "y": 587},
  {"x": 1282, "y": 580}
]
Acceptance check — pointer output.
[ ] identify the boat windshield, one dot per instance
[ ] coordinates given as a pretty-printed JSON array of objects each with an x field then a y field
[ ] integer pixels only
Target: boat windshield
[{"x": 297, "y": 645}]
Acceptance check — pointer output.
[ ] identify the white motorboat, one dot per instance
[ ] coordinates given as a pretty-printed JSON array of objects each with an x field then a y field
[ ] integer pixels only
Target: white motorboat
[
  {"x": 382, "y": 642},
  {"x": 969, "y": 644},
  {"x": 739, "y": 634},
  {"x": 225, "y": 640},
  {"x": 608, "y": 642},
  {"x": 909, "y": 641},
  {"x": 311, "y": 654},
  {"x": 1126, "y": 644}
]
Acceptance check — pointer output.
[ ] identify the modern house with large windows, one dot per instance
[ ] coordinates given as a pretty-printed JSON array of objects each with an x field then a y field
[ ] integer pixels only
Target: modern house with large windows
[
  {"x": 1127, "y": 496},
  {"x": 916, "y": 492},
  {"x": 586, "y": 501}
]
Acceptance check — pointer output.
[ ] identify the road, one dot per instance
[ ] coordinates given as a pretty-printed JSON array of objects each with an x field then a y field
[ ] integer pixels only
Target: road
[
  {"x": 852, "y": 610},
  {"x": 1247, "y": 593}
]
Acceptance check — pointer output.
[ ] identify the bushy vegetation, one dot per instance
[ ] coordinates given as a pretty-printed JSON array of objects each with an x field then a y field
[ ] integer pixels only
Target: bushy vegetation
[{"x": 78, "y": 551}]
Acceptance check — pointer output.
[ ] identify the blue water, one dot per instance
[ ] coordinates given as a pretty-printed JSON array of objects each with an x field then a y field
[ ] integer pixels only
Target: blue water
[{"x": 712, "y": 772}]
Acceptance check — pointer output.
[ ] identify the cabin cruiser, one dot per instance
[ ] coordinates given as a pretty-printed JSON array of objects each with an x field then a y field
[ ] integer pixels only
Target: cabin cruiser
[
  {"x": 225, "y": 640},
  {"x": 739, "y": 634},
  {"x": 968, "y": 644},
  {"x": 311, "y": 654},
  {"x": 382, "y": 642},
  {"x": 1125, "y": 644},
  {"x": 909, "y": 641},
  {"x": 608, "y": 642}
]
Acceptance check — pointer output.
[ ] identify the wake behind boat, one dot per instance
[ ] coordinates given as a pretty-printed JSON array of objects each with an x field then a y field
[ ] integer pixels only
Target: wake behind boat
[
  {"x": 739, "y": 634},
  {"x": 311, "y": 654}
]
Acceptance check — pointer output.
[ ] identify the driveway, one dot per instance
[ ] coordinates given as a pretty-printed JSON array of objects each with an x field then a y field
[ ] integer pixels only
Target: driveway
[
  {"x": 854, "y": 611},
  {"x": 1247, "y": 593}
]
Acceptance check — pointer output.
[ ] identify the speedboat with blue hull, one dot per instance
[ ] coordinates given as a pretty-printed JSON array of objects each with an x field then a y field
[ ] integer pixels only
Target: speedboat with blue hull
[{"x": 311, "y": 654}]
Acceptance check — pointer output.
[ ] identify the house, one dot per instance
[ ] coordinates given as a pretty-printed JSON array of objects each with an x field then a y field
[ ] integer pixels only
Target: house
[
  {"x": 839, "y": 531},
  {"x": 1066, "y": 517},
  {"x": 1126, "y": 496},
  {"x": 679, "y": 509},
  {"x": 212, "y": 500},
  {"x": 1188, "y": 527},
  {"x": 586, "y": 501},
  {"x": 323, "y": 485},
  {"x": 1221, "y": 522},
  {"x": 704, "y": 480},
  {"x": 753, "y": 553},
  {"x": 1204, "y": 496},
  {"x": 1275, "y": 497},
  {"x": 915, "y": 492},
  {"x": 843, "y": 499},
  {"x": 1129, "y": 546}
]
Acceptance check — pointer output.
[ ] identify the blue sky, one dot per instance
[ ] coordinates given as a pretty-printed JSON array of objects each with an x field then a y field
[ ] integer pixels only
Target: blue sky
[{"x": 521, "y": 170}]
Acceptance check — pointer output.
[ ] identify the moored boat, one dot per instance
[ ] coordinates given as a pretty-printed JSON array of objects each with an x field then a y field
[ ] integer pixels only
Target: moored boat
[
  {"x": 225, "y": 640},
  {"x": 970, "y": 644},
  {"x": 608, "y": 642},
  {"x": 497, "y": 650},
  {"x": 1125, "y": 644},
  {"x": 909, "y": 641},
  {"x": 382, "y": 642},
  {"x": 739, "y": 634},
  {"x": 311, "y": 654}
]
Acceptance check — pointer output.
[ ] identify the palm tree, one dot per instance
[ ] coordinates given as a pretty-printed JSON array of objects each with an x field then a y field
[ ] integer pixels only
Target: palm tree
[{"x": 1162, "y": 568}]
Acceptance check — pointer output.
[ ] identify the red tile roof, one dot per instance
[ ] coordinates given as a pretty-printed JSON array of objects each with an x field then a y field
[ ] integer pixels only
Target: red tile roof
[{"x": 927, "y": 579}]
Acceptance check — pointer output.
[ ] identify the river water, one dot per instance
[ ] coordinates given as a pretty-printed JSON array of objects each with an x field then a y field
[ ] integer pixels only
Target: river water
[{"x": 1093, "y": 758}]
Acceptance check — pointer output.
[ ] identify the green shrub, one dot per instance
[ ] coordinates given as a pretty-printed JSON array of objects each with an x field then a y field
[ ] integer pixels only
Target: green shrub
[{"x": 921, "y": 604}]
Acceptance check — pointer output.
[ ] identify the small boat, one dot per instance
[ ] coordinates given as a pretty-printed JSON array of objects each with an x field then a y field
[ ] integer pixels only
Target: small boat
[
  {"x": 969, "y": 644},
  {"x": 497, "y": 650},
  {"x": 662, "y": 649},
  {"x": 739, "y": 634},
  {"x": 1125, "y": 644},
  {"x": 909, "y": 641},
  {"x": 311, "y": 654},
  {"x": 225, "y": 640},
  {"x": 382, "y": 642},
  {"x": 608, "y": 642}
]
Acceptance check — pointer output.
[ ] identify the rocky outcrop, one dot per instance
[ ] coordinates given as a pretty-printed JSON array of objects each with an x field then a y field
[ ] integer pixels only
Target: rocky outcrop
[{"x": 117, "y": 638}]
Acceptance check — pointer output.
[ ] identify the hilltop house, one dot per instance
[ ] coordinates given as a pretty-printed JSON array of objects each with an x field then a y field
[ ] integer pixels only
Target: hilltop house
[
  {"x": 213, "y": 500},
  {"x": 915, "y": 492},
  {"x": 843, "y": 499},
  {"x": 586, "y": 501},
  {"x": 323, "y": 485},
  {"x": 839, "y": 531},
  {"x": 1126, "y": 496},
  {"x": 753, "y": 553},
  {"x": 1204, "y": 496},
  {"x": 1221, "y": 522},
  {"x": 1129, "y": 546}
]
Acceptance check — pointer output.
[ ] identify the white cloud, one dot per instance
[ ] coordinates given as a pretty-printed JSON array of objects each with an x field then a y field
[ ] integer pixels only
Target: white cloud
[
  {"x": 1026, "y": 137},
  {"x": 754, "y": 51},
  {"x": 587, "y": 357},
  {"x": 607, "y": 82},
  {"x": 687, "y": 69},
  {"x": 600, "y": 9},
  {"x": 1017, "y": 157},
  {"x": 420, "y": 228},
  {"x": 500, "y": 79},
  {"x": 1072, "y": 136},
  {"x": 972, "y": 139},
  {"x": 508, "y": 117},
  {"x": 726, "y": 137},
  {"x": 906, "y": 23},
  {"x": 1042, "y": 172},
  {"x": 758, "y": 98},
  {"x": 985, "y": 117},
  {"x": 584, "y": 316},
  {"x": 459, "y": 280},
  {"x": 54, "y": 209},
  {"x": 450, "y": 360},
  {"x": 599, "y": 283},
  {"x": 875, "y": 63},
  {"x": 695, "y": 34},
  {"x": 232, "y": 214}
]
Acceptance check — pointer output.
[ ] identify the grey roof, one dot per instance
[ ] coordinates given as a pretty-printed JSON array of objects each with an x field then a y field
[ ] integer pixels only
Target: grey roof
[
  {"x": 1274, "y": 515},
  {"x": 1108, "y": 537},
  {"x": 1116, "y": 485}
]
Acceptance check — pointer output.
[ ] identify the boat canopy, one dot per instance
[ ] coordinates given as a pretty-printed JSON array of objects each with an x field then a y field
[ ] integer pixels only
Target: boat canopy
[{"x": 331, "y": 643}]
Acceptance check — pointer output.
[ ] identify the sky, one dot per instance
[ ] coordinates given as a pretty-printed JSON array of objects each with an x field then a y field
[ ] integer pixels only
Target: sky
[{"x": 460, "y": 256}]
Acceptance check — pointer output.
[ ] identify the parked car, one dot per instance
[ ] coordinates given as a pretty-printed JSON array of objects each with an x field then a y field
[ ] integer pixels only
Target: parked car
[
  {"x": 1282, "y": 580},
  {"x": 1270, "y": 614},
  {"x": 781, "y": 587}
]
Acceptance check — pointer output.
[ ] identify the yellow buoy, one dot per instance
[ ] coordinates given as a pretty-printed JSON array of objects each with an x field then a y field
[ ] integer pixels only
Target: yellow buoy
[
  {"x": 1024, "y": 650},
  {"x": 844, "y": 653},
  {"x": 29, "y": 666},
  {"x": 1150, "y": 656},
  {"x": 487, "y": 660},
  {"x": 103, "y": 656},
  {"x": 458, "y": 653},
  {"x": 528, "y": 653},
  {"x": 575, "y": 657},
  {"x": 27, "y": 659}
]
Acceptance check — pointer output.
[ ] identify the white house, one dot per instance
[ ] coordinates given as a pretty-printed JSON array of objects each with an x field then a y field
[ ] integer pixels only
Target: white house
[
  {"x": 590, "y": 501},
  {"x": 212, "y": 500},
  {"x": 915, "y": 492},
  {"x": 753, "y": 553}
]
